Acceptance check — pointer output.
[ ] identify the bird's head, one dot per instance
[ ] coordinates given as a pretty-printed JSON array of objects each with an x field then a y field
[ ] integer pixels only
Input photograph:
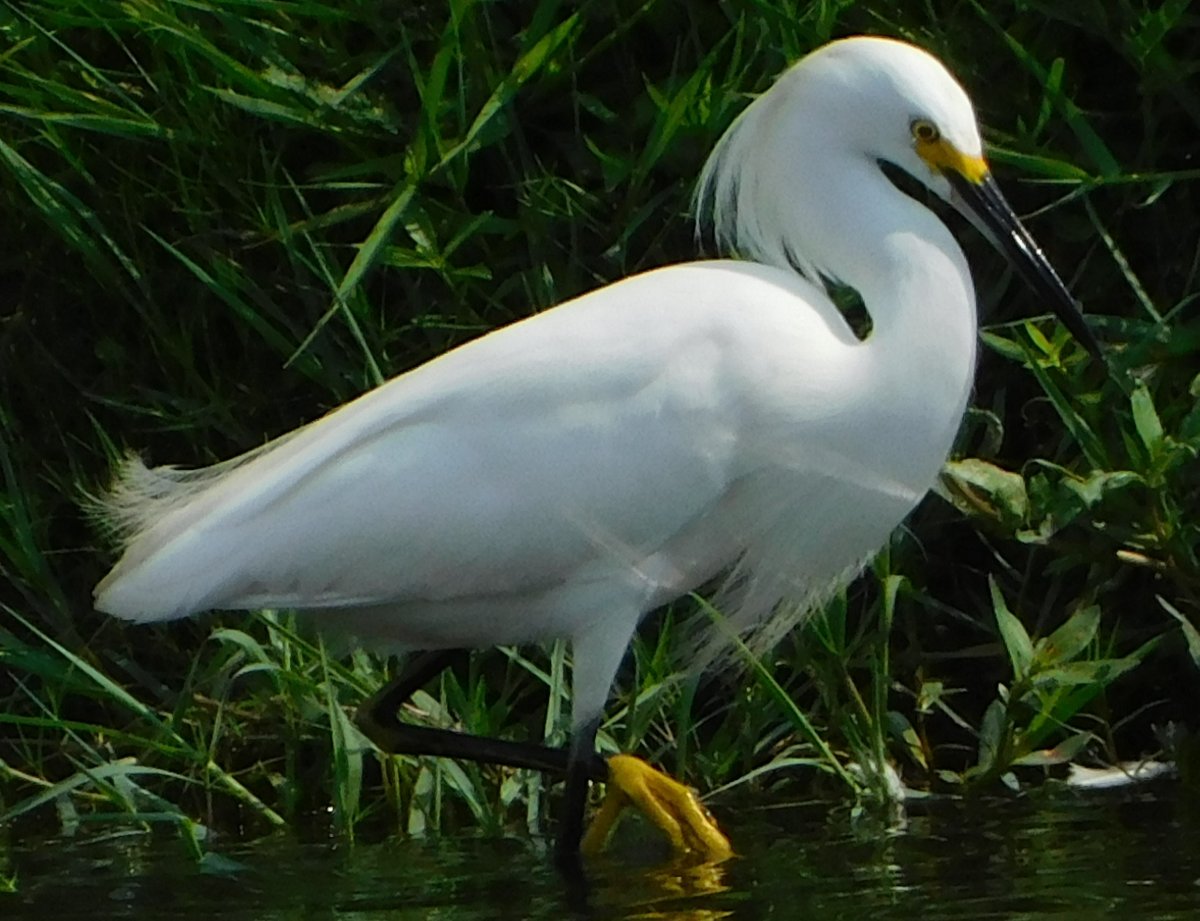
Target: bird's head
[{"x": 852, "y": 107}]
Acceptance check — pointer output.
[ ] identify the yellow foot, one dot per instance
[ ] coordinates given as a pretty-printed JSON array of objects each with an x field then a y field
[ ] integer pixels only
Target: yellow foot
[{"x": 666, "y": 802}]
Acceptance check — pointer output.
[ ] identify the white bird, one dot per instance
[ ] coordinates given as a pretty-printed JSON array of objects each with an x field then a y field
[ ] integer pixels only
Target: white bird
[{"x": 563, "y": 476}]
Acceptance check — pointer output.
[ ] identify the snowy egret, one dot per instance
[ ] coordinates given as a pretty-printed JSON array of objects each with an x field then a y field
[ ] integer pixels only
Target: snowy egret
[{"x": 566, "y": 475}]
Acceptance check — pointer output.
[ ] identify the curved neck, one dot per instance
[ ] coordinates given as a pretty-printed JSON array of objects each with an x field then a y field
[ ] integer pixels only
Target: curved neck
[
  {"x": 919, "y": 359},
  {"x": 913, "y": 280},
  {"x": 831, "y": 211}
]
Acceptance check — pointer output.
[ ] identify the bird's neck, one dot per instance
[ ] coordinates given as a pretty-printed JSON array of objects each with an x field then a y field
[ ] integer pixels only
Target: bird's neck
[{"x": 915, "y": 284}]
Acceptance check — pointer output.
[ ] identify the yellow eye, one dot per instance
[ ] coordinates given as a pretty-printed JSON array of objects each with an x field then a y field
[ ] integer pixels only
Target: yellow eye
[{"x": 924, "y": 132}]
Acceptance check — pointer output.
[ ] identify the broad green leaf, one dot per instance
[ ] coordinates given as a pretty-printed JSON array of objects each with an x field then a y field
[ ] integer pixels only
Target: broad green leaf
[
  {"x": 982, "y": 487},
  {"x": 902, "y": 730},
  {"x": 1012, "y": 631},
  {"x": 1065, "y": 751},
  {"x": 1099, "y": 672},
  {"x": 1146, "y": 421},
  {"x": 1098, "y": 484},
  {"x": 1070, "y": 639},
  {"x": 991, "y": 734},
  {"x": 930, "y": 695}
]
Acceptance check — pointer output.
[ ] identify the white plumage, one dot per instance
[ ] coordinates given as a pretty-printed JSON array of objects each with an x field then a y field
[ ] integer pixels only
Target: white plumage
[{"x": 565, "y": 475}]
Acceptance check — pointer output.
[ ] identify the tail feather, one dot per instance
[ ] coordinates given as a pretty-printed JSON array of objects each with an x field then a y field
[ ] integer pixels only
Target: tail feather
[{"x": 136, "y": 515}]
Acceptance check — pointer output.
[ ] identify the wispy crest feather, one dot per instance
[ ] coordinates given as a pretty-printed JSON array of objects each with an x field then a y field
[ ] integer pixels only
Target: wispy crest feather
[{"x": 730, "y": 199}]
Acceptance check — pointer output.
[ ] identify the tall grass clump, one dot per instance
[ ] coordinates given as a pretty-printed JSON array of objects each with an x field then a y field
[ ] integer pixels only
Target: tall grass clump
[{"x": 219, "y": 220}]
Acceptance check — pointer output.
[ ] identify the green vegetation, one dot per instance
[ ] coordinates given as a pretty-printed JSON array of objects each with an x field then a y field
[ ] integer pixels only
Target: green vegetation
[{"x": 220, "y": 219}]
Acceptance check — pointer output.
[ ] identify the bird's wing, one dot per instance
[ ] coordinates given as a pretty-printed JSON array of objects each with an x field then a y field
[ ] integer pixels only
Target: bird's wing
[{"x": 586, "y": 436}]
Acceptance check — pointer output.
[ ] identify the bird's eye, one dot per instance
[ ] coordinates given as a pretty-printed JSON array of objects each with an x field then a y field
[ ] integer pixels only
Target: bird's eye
[{"x": 924, "y": 131}]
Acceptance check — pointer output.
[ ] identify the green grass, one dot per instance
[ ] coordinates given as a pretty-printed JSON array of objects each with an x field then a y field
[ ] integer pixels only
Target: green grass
[{"x": 222, "y": 219}]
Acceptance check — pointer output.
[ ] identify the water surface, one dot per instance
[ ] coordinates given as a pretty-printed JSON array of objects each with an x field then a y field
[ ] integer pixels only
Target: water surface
[{"x": 1060, "y": 855}]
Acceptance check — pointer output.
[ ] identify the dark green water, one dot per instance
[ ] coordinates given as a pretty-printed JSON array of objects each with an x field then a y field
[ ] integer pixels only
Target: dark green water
[{"x": 1056, "y": 856}]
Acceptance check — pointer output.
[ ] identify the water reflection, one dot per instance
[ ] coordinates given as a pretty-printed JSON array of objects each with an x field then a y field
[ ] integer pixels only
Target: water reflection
[{"x": 1051, "y": 856}]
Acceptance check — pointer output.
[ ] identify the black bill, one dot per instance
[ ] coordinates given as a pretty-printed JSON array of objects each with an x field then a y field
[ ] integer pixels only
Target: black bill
[{"x": 985, "y": 205}]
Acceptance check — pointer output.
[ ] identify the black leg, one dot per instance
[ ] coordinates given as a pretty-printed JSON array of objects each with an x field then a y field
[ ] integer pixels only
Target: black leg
[
  {"x": 579, "y": 759},
  {"x": 378, "y": 718}
]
